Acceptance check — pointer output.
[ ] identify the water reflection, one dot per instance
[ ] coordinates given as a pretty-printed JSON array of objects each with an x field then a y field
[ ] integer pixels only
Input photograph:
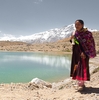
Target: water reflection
[
  {"x": 53, "y": 61},
  {"x": 22, "y": 67}
]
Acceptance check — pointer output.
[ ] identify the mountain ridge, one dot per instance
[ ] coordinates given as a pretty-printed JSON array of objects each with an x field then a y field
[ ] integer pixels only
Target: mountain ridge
[{"x": 52, "y": 35}]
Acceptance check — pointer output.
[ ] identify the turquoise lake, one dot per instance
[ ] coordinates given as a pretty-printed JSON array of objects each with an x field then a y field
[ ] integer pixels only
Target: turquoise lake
[{"x": 22, "y": 67}]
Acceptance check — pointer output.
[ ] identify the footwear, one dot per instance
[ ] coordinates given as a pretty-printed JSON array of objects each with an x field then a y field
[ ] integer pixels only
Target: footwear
[{"x": 81, "y": 83}]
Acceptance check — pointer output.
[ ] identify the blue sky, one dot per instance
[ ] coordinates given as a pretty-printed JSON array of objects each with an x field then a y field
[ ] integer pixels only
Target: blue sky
[{"x": 26, "y": 17}]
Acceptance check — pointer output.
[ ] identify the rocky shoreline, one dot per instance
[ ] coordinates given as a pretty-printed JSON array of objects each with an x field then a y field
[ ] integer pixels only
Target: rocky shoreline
[{"x": 38, "y": 89}]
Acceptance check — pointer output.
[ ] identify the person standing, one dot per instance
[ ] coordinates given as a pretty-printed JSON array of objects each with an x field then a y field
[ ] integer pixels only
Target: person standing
[{"x": 83, "y": 49}]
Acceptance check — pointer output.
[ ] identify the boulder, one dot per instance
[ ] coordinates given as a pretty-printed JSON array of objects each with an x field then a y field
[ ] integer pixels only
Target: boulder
[{"x": 40, "y": 82}]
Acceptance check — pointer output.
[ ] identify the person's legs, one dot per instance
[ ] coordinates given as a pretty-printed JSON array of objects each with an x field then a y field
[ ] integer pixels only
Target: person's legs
[{"x": 81, "y": 83}]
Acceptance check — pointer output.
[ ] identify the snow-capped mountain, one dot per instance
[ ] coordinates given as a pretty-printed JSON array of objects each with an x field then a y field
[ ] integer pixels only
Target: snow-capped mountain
[{"x": 47, "y": 36}]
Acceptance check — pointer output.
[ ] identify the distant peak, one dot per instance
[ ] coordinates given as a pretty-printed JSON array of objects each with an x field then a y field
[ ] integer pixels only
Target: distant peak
[{"x": 51, "y": 35}]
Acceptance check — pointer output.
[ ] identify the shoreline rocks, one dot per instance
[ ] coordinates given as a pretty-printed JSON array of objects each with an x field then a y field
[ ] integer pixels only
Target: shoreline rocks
[{"x": 40, "y": 83}]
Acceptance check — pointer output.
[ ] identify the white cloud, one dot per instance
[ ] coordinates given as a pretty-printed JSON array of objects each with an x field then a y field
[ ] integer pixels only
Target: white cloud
[{"x": 38, "y": 1}]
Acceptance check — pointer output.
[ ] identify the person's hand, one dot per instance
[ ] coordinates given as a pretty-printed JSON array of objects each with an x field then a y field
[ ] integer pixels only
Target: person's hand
[{"x": 83, "y": 56}]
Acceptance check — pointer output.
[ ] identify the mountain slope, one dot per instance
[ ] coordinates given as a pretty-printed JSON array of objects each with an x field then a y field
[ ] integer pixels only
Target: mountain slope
[{"x": 52, "y": 35}]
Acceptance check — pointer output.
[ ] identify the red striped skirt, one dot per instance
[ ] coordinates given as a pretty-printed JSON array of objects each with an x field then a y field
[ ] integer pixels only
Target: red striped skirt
[{"x": 79, "y": 66}]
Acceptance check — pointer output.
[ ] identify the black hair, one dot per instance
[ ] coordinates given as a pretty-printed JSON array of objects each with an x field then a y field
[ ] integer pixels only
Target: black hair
[{"x": 81, "y": 21}]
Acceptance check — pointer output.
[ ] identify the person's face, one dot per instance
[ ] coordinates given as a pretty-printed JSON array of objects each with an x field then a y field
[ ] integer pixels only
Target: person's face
[{"x": 78, "y": 26}]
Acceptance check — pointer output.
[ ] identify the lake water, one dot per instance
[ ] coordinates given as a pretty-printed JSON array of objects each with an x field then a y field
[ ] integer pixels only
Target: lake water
[{"x": 21, "y": 67}]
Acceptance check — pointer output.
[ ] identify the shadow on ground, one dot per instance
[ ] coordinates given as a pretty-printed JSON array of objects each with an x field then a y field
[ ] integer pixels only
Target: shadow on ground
[{"x": 89, "y": 90}]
